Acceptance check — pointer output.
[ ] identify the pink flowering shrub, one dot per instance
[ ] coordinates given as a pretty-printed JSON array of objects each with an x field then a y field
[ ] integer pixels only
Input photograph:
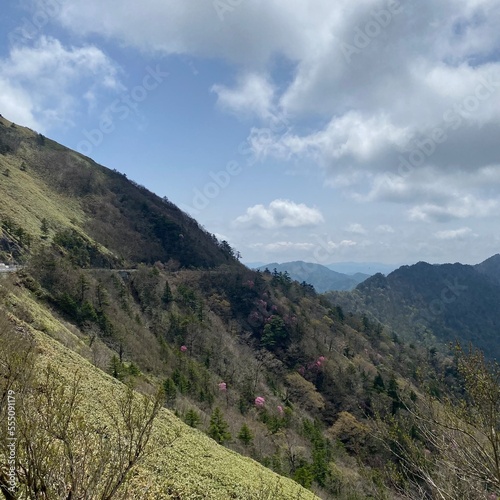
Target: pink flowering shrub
[
  {"x": 222, "y": 386},
  {"x": 260, "y": 402},
  {"x": 183, "y": 348},
  {"x": 280, "y": 410}
]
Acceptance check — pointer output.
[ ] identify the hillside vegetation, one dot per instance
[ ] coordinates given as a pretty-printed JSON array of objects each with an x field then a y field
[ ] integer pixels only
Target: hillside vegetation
[
  {"x": 44, "y": 185},
  {"x": 181, "y": 462},
  {"x": 121, "y": 287}
]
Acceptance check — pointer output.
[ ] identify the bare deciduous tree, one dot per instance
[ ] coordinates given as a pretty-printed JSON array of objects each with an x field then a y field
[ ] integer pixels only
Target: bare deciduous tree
[
  {"x": 449, "y": 448},
  {"x": 63, "y": 450}
]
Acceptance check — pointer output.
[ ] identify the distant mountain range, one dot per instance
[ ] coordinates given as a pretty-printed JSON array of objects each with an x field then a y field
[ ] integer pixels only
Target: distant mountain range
[
  {"x": 369, "y": 268},
  {"x": 321, "y": 277},
  {"x": 448, "y": 301},
  {"x": 349, "y": 268}
]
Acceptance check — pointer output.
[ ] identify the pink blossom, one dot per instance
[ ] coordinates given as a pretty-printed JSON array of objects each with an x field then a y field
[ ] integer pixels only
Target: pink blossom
[
  {"x": 321, "y": 358},
  {"x": 318, "y": 363},
  {"x": 222, "y": 386},
  {"x": 274, "y": 308},
  {"x": 183, "y": 348},
  {"x": 260, "y": 401},
  {"x": 280, "y": 410},
  {"x": 250, "y": 283}
]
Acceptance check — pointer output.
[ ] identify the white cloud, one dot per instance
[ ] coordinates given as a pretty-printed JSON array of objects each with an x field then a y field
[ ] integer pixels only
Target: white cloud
[
  {"x": 347, "y": 243},
  {"x": 454, "y": 234},
  {"x": 468, "y": 206},
  {"x": 40, "y": 83},
  {"x": 384, "y": 229},
  {"x": 356, "y": 229},
  {"x": 250, "y": 33},
  {"x": 283, "y": 246},
  {"x": 351, "y": 138},
  {"x": 17, "y": 104},
  {"x": 253, "y": 95},
  {"x": 433, "y": 67},
  {"x": 280, "y": 214},
  {"x": 424, "y": 184},
  {"x": 332, "y": 245}
]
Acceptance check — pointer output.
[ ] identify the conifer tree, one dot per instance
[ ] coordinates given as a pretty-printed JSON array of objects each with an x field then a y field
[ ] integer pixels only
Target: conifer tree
[
  {"x": 192, "y": 418},
  {"x": 219, "y": 428},
  {"x": 167, "y": 294},
  {"x": 170, "y": 391},
  {"x": 44, "y": 228},
  {"x": 245, "y": 435}
]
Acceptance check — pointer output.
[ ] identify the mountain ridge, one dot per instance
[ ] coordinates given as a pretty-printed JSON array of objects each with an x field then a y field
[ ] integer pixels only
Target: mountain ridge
[
  {"x": 321, "y": 277},
  {"x": 451, "y": 301},
  {"x": 98, "y": 204}
]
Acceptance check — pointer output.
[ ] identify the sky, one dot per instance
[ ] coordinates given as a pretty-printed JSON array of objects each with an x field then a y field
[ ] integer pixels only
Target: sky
[{"x": 364, "y": 130}]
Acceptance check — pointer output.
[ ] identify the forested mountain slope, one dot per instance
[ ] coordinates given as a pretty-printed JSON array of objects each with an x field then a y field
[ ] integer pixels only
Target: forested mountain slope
[
  {"x": 448, "y": 302},
  {"x": 261, "y": 364},
  {"x": 48, "y": 190}
]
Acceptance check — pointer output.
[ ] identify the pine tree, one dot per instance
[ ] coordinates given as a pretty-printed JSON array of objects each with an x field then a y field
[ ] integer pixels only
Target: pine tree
[
  {"x": 192, "y": 418},
  {"x": 44, "y": 228},
  {"x": 167, "y": 294},
  {"x": 245, "y": 435},
  {"x": 102, "y": 296},
  {"x": 218, "y": 429},
  {"x": 170, "y": 391},
  {"x": 83, "y": 286},
  {"x": 378, "y": 383},
  {"x": 116, "y": 368}
]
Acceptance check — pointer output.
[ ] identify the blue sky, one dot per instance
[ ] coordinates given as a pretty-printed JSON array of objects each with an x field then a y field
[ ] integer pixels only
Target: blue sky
[{"x": 328, "y": 132}]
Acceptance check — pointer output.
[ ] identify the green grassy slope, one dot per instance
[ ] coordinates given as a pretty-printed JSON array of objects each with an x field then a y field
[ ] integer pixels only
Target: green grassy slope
[
  {"x": 192, "y": 466},
  {"x": 40, "y": 179}
]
